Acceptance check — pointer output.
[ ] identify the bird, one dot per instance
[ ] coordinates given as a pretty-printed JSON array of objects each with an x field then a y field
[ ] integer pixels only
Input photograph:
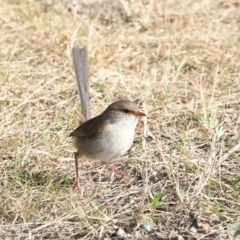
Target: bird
[{"x": 108, "y": 135}]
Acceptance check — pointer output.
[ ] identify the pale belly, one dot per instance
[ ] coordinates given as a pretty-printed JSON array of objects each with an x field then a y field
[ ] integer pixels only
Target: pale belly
[{"x": 113, "y": 144}]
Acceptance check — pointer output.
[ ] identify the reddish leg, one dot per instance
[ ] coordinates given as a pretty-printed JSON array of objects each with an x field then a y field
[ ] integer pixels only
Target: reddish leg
[
  {"x": 125, "y": 177},
  {"x": 77, "y": 182}
]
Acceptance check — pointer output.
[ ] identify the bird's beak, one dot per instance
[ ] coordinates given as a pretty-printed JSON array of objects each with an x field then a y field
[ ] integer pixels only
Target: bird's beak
[{"x": 140, "y": 114}]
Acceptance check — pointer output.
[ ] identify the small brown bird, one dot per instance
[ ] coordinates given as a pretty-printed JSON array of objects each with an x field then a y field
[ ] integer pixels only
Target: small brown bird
[{"x": 108, "y": 135}]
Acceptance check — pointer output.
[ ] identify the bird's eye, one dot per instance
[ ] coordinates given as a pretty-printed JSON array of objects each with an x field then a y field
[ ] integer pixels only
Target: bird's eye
[{"x": 125, "y": 110}]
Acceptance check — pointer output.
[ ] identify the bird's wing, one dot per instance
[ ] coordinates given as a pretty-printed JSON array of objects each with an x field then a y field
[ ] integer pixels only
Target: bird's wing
[{"x": 92, "y": 127}]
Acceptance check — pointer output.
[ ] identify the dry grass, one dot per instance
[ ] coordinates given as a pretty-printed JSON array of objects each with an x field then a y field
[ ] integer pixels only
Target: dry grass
[{"x": 180, "y": 60}]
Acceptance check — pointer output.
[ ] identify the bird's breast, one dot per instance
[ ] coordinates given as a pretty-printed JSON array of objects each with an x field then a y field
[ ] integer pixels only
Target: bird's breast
[{"x": 114, "y": 141}]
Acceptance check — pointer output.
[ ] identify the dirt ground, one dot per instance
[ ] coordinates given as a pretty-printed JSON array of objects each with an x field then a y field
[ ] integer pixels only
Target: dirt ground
[{"x": 180, "y": 61}]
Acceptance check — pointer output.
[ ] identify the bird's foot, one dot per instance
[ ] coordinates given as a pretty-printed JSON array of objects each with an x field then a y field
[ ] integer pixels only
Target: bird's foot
[
  {"x": 126, "y": 178},
  {"x": 76, "y": 185}
]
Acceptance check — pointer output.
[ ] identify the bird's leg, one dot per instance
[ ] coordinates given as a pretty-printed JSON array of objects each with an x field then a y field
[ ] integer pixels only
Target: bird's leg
[
  {"x": 77, "y": 182},
  {"x": 124, "y": 176}
]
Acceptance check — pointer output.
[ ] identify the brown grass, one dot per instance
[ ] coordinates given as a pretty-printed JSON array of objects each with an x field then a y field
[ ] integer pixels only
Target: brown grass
[{"x": 180, "y": 60}]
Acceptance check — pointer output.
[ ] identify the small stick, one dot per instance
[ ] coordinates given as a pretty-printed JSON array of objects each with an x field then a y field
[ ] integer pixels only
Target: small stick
[{"x": 230, "y": 152}]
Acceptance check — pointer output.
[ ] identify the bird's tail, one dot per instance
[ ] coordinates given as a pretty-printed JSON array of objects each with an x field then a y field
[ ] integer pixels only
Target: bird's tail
[{"x": 80, "y": 61}]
